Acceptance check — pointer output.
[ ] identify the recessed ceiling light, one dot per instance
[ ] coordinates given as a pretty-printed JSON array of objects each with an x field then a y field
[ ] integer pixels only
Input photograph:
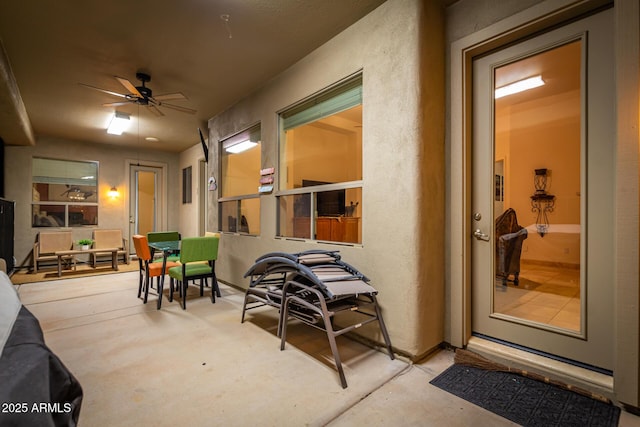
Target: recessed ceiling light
[
  {"x": 519, "y": 86},
  {"x": 241, "y": 146},
  {"x": 152, "y": 139}
]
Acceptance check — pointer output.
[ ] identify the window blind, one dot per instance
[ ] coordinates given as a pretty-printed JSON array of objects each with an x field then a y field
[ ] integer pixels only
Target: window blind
[{"x": 338, "y": 99}]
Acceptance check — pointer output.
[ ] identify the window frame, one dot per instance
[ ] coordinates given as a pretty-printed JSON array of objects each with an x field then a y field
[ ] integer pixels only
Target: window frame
[
  {"x": 36, "y": 204},
  {"x": 342, "y": 86},
  {"x": 238, "y": 199}
]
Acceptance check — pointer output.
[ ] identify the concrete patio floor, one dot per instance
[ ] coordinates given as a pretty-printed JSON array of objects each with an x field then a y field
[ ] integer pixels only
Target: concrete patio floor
[{"x": 202, "y": 367}]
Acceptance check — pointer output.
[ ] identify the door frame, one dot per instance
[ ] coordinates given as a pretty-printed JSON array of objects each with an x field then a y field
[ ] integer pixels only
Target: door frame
[
  {"x": 526, "y": 23},
  {"x": 161, "y": 203}
]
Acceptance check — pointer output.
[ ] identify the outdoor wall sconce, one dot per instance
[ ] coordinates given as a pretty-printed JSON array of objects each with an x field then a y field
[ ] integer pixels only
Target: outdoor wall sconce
[
  {"x": 541, "y": 202},
  {"x": 113, "y": 193}
]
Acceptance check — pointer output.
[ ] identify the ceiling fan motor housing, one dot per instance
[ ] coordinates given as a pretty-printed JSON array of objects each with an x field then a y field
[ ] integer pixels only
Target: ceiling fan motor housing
[{"x": 144, "y": 91}]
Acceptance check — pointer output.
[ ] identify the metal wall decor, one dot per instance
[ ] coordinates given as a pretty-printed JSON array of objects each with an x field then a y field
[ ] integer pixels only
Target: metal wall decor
[{"x": 542, "y": 203}]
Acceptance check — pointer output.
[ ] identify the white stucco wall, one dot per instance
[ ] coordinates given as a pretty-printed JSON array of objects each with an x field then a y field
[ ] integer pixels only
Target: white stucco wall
[{"x": 404, "y": 264}]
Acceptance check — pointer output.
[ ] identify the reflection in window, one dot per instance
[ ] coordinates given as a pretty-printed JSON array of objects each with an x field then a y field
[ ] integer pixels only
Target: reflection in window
[
  {"x": 321, "y": 166},
  {"x": 64, "y": 193},
  {"x": 538, "y": 135},
  {"x": 239, "y": 204}
]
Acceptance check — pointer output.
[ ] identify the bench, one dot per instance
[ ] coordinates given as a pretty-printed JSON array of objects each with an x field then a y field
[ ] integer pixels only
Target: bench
[
  {"x": 104, "y": 241},
  {"x": 50, "y": 242},
  {"x": 73, "y": 252}
]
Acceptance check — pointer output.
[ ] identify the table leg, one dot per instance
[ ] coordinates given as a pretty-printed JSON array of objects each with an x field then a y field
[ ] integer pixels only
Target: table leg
[
  {"x": 161, "y": 281},
  {"x": 59, "y": 265},
  {"x": 114, "y": 260}
]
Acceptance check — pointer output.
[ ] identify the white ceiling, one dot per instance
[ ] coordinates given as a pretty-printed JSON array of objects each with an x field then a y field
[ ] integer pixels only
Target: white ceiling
[{"x": 184, "y": 45}]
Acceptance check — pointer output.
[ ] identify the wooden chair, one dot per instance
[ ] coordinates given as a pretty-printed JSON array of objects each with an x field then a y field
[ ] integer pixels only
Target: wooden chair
[
  {"x": 48, "y": 243},
  {"x": 103, "y": 239}
]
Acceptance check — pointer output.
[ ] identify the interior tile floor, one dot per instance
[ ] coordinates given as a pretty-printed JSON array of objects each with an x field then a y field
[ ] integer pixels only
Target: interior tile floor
[
  {"x": 545, "y": 294},
  {"x": 202, "y": 367}
]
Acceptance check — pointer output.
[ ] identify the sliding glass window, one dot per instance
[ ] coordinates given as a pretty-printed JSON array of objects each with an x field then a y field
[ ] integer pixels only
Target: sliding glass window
[
  {"x": 239, "y": 202},
  {"x": 320, "y": 180}
]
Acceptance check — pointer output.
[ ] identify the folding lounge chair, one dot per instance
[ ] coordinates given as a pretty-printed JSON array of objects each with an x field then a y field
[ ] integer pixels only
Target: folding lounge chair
[
  {"x": 313, "y": 287},
  {"x": 269, "y": 274}
]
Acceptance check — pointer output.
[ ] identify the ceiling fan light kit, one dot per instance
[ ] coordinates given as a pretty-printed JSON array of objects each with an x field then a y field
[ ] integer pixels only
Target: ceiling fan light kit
[{"x": 119, "y": 122}]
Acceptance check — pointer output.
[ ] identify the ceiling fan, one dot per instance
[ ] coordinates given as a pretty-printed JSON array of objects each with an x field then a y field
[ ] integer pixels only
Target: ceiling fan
[
  {"x": 75, "y": 193},
  {"x": 143, "y": 95}
]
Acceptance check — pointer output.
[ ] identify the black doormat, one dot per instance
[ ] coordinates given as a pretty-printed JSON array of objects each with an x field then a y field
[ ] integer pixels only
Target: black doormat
[{"x": 525, "y": 401}]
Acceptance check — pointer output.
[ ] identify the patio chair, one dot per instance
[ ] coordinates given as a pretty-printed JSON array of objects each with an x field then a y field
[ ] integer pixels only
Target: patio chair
[
  {"x": 103, "y": 239},
  {"x": 193, "y": 251},
  {"x": 313, "y": 287},
  {"x": 150, "y": 269},
  {"x": 47, "y": 243}
]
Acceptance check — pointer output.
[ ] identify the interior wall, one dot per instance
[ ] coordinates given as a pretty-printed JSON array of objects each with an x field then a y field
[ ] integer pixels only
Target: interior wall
[
  {"x": 405, "y": 265},
  {"x": 112, "y": 213},
  {"x": 322, "y": 155},
  {"x": 539, "y": 137}
]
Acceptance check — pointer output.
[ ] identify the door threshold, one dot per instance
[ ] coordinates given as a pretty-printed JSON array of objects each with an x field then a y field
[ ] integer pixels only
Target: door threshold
[{"x": 595, "y": 382}]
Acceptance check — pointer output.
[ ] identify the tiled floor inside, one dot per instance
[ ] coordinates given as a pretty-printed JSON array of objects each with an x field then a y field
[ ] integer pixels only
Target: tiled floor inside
[{"x": 545, "y": 294}]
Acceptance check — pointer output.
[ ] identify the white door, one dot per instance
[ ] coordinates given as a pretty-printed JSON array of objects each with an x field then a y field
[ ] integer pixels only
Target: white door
[
  {"x": 145, "y": 199},
  {"x": 544, "y": 156}
]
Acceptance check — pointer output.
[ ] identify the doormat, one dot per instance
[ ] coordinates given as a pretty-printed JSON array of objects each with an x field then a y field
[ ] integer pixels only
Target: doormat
[{"x": 523, "y": 400}]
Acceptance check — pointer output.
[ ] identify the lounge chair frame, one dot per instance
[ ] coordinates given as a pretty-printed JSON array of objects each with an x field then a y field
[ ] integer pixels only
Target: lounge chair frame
[{"x": 313, "y": 287}]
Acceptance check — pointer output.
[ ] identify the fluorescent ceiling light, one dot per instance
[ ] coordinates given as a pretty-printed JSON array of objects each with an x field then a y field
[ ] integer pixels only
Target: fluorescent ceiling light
[
  {"x": 119, "y": 123},
  {"x": 519, "y": 86},
  {"x": 241, "y": 146}
]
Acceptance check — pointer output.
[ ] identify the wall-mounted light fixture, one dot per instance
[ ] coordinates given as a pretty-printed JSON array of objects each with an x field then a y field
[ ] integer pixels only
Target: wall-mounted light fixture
[
  {"x": 113, "y": 193},
  {"x": 519, "y": 86},
  {"x": 541, "y": 202},
  {"x": 119, "y": 122}
]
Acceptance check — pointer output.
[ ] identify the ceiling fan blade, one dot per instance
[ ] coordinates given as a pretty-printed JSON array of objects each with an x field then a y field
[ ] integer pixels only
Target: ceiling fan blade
[
  {"x": 154, "y": 110},
  {"x": 129, "y": 86},
  {"x": 116, "y": 104},
  {"x": 103, "y": 90},
  {"x": 170, "y": 96},
  {"x": 178, "y": 108}
]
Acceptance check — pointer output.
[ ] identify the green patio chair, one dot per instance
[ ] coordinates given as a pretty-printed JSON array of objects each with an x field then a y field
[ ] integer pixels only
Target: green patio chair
[{"x": 193, "y": 251}]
